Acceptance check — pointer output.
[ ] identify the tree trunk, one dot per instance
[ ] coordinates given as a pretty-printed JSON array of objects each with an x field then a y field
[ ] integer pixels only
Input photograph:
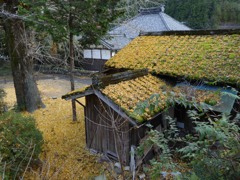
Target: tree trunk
[
  {"x": 27, "y": 94},
  {"x": 71, "y": 67}
]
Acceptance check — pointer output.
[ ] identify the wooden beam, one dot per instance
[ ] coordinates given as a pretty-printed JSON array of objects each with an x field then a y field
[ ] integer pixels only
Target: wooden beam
[
  {"x": 77, "y": 95},
  {"x": 80, "y": 103},
  {"x": 118, "y": 77}
]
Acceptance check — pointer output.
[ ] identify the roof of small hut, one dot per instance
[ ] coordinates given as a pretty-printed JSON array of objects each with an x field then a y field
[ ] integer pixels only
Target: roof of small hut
[
  {"x": 211, "y": 55},
  {"x": 142, "y": 98}
]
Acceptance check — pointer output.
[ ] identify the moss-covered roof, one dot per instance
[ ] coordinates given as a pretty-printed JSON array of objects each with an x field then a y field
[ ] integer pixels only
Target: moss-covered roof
[
  {"x": 128, "y": 94},
  {"x": 210, "y": 57},
  {"x": 143, "y": 97}
]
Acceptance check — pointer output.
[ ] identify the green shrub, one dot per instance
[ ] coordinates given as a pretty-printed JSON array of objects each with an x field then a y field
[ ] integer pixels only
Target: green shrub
[
  {"x": 20, "y": 144},
  {"x": 210, "y": 152},
  {"x": 214, "y": 153},
  {"x": 159, "y": 141}
]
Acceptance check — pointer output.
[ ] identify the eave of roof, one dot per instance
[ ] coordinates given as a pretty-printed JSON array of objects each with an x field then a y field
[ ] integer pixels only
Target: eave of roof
[
  {"x": 78, "y": 93},
  {"x": 116, "y": 108}
]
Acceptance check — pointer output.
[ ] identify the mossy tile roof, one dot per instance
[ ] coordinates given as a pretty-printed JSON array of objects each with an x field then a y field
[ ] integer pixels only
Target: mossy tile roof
[
  {"x": 210, "y": 57},
  {"x": 128, "y": 94},
  {"x": 144, "y": 97}
]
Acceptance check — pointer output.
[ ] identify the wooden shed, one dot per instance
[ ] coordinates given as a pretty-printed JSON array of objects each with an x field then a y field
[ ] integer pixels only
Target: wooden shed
[
  {"x": 120, "y": 107},
  {"x": 111, "y": 126},
  {"x": 122, "y": 101}
]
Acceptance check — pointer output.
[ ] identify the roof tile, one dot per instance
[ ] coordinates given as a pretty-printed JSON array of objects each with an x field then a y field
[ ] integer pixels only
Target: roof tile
[{"x": 143, "y": 97}]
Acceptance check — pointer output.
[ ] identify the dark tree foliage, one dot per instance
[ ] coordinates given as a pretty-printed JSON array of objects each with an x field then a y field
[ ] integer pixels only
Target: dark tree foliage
[
  {"x": 131, "y": 7},
  {"x": 202, "y": 14},
  {"x": 89, "y": 19}
]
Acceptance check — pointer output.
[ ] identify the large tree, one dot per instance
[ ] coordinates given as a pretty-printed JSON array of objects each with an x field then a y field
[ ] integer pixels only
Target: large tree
[
  {"x": 18, "y": 47},
  {"x": 88, "y": 19}
]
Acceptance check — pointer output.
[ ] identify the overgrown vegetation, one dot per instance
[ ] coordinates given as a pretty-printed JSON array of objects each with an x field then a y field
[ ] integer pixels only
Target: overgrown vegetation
[
  {"x": 214, "y": 152},
  {"x": 159, "y": 141},
  {"x": 20, "y": 142},
  {"x": 210, "y": 152}
]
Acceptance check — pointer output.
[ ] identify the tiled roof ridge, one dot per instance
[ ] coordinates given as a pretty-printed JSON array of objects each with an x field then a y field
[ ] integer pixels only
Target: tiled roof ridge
[
  {"x": 193, "y": 32},
  {"x": 138, "y": 15},
  {"x": 151, "y": 10},
  {"x": 105, "y": 80},
  {"x": 164, "y": 21}
]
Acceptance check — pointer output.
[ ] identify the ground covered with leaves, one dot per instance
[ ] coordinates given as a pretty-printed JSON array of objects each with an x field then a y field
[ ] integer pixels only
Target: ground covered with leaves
[{"x": 64, "y": 154}]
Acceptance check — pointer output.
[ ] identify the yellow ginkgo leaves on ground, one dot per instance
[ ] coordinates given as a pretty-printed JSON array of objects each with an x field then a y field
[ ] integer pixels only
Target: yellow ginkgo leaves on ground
[
  {"x": 64, "y": 151},
  {"x": 64, "y": 154}
]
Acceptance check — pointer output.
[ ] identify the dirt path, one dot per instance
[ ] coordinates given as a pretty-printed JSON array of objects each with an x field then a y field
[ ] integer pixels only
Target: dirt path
[{"x": 50, "y": 85}]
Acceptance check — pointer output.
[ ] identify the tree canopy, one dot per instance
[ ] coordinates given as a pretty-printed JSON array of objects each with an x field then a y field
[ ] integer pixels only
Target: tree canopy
[
  {"x": 62, "y": 20},
  {"x": 131, "y": 7},
  {"x": 203, "y": 14},
  {"x": 89, "y": 19}
]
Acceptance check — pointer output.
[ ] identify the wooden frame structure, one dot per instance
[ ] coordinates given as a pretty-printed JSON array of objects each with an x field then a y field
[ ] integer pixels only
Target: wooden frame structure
[{"x": 109, "y": 130}]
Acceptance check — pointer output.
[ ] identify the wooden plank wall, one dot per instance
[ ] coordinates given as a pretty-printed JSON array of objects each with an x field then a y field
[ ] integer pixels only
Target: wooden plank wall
[
  {"x": 101, "y": 135},
  {"x": 104, "y": 138}
]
